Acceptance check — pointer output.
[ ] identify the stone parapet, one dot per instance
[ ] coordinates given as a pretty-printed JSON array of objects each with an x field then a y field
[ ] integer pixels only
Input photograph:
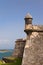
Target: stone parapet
[{"x": 33, "y": 28}]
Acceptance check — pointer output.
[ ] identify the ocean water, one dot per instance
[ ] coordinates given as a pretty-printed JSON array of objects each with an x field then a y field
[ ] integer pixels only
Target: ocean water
[{"x": 5, "y": 54}]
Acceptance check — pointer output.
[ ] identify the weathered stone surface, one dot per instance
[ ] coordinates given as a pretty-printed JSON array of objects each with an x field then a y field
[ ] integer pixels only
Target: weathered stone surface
[
  {"x": 19, "y": 48},
  {"x": 33, "y": 52}
]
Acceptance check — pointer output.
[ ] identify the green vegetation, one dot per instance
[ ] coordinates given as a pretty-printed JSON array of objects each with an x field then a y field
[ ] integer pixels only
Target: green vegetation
[
  {"x": 17, "y": 61},
  {"x": 9, "y": 64},
  {"x": 10, "y": 58},
  {"x": 2, "y": 62}
]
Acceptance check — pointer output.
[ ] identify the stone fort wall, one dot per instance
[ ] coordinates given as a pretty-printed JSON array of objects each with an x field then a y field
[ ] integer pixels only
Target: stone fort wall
[
  {"x": 19, "y": 48},
  {"x": 33, "y": 51}
]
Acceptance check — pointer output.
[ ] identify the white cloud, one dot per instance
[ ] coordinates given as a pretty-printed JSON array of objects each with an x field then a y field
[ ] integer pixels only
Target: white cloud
[
  {"x": 4, "y": 41},
  {"x": 6, "y": 44}
]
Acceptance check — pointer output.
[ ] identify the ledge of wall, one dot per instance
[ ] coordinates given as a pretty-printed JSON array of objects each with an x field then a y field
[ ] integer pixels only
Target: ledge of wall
[{"x": 34, "y": 28}]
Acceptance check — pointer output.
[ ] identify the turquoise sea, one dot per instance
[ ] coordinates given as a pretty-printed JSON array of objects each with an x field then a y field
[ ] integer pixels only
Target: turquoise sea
[{"x": 5, "y": 54}]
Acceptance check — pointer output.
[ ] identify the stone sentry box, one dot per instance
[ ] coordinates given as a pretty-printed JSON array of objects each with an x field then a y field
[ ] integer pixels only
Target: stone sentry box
[{"x": 33, "y": 51}]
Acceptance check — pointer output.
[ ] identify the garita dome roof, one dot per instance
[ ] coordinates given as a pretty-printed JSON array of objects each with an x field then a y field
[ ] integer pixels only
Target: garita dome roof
[{"x": 28, "y": 16}]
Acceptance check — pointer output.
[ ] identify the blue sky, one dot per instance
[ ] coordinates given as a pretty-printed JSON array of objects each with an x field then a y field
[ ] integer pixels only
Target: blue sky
[{"x": 12, "y": 13}]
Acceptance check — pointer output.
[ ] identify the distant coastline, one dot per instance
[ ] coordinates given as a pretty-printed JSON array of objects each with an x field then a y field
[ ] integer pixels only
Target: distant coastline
[
  {"x": 5, "y": 53},
  {"x": 4, "y": 50}
]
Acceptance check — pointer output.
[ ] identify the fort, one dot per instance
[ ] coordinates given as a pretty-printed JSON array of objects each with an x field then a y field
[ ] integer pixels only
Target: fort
[{"x": 31, "y": 48}]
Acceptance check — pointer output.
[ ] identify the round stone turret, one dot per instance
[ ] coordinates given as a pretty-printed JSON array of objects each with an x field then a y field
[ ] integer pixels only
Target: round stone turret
[{"x": 28, "y": 22}]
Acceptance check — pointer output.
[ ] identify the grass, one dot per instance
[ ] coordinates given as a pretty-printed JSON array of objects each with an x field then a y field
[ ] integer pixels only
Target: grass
[
  {"x": 1, "y": 62},
  {"x": 17, "y": 61},
  {"x": 7, "y": 63},
  {"x": 10, "y": 58}
]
